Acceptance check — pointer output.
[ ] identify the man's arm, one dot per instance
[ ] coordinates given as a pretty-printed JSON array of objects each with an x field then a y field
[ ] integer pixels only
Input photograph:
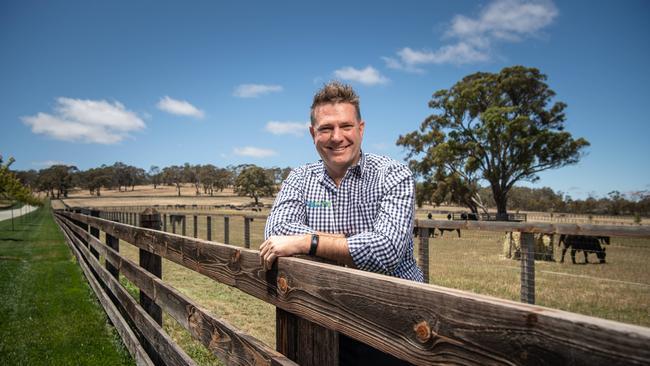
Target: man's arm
[
  {"x": 379, "y": 250},
  {"x": 330, "y": 246},
  {"x": 383, "y": 248},
  {"x": 288, "y": 215}
]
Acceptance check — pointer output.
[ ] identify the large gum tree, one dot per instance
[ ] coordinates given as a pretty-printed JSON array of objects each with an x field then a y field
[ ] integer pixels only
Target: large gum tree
[{"x": 496, "y": 127}]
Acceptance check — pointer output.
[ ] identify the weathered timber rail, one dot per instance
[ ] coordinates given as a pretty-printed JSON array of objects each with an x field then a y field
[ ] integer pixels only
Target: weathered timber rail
[
  {"x": 422, "y": 324},
  {"x": 422, "y": 227}
]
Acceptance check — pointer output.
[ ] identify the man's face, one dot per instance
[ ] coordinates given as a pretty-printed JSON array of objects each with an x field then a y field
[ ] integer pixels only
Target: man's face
[{"x": 337, "y": 135}]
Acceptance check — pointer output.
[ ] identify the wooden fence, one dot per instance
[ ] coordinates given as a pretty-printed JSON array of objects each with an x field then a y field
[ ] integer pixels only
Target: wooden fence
[
  {"x": 423, "y": 228},
  {"x": 317, "y": 303}
]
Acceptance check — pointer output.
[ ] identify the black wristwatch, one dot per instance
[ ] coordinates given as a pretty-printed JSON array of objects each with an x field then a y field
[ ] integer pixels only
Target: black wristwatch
[{"x": 314, "y": 244}]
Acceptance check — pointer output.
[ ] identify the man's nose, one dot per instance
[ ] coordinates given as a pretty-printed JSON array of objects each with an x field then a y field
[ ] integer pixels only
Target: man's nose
[{"x": 337, "y": 134}]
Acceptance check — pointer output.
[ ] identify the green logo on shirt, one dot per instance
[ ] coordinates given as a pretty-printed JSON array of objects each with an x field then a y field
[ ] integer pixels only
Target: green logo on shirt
[{"x": 318, "y": 204}]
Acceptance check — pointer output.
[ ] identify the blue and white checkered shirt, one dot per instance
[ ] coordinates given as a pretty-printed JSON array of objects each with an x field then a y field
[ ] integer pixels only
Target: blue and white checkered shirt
[{"x": 373, "y": 208}]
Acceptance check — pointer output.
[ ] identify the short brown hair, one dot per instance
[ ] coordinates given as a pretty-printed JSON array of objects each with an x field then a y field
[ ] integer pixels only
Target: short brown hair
[{"x": 335, "y": 92}]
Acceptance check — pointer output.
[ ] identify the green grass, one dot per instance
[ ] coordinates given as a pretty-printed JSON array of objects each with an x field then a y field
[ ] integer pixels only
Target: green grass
[
  {"x": 618, "y": 290},
  {"x": 49, "y": 314}
]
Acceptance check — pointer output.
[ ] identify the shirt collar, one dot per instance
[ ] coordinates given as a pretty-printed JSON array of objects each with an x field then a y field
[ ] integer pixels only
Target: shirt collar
[{"x": 357, "y": 169}]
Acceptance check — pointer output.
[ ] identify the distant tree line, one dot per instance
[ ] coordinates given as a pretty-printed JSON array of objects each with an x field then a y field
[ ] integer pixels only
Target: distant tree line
[
  {"x": 546, "y": 200},
  {"x": 250, "y": 180}
]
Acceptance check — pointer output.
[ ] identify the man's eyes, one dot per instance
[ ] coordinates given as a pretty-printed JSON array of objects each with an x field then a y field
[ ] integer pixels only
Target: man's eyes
[{"x": 329, "y": 129}]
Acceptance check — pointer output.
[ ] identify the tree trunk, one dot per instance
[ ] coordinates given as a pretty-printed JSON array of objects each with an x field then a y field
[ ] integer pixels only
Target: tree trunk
[{"x": 501, "y": 200}]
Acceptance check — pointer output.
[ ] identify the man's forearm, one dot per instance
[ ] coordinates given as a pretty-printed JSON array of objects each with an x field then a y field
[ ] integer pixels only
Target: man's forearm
[{"x": 334, "y": 247}]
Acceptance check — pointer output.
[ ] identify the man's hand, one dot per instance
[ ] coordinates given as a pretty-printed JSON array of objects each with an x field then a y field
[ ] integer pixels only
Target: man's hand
[{"x": 283, "y": 246}]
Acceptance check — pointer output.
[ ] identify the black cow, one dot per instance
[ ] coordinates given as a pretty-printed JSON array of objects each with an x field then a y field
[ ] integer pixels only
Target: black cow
[{"x": 588, "y": 244}]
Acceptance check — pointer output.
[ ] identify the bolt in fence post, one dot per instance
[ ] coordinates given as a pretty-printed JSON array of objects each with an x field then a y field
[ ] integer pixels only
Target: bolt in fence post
[
  {"x": 527, "y": 268},
  {"x": 150, "y": 219},
  {"x": 183, "y": 226},
  {"x": 423, "y": 251},
  {"x": 209, "y": 227},
  {"x": 194, "y": 222},
  {"x": 247, "y": 232},
  {"x": 94, "y": 232},
  {"x": 226, "y": 229}
]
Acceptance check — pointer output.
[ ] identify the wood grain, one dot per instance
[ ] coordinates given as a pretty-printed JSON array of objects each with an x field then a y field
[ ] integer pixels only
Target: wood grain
[
  {"x": 224, "y": 340},
  {"x": 129, "y": 338},
  {"x": 150, "y": 330},
  {"x": 420, "y": 323}
]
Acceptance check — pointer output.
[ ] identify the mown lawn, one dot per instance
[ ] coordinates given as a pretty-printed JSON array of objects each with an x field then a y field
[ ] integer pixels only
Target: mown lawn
[{"x": 48, "y": 313}]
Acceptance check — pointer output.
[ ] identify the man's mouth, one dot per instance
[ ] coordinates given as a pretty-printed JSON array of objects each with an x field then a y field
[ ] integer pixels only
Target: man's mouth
[{"x": 337, "y": 148}]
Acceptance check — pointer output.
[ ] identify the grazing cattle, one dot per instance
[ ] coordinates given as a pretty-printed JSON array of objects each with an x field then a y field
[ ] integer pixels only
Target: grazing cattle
[{"x": 588, "y": 244}]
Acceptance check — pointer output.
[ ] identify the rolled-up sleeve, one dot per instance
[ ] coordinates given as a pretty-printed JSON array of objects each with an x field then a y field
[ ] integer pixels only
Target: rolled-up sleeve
[
  {"x": 288, "y": 215},
  {"x": 384, "y": 247}
]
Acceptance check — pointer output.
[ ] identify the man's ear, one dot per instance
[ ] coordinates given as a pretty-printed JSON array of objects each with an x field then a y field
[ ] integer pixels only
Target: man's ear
[
  {"x": 312, "y": 132},
  {"x": 362, "y": 126}
]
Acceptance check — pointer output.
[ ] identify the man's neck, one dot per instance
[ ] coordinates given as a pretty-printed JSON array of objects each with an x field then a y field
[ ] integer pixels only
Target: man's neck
[{"x": 338, "y": 175}]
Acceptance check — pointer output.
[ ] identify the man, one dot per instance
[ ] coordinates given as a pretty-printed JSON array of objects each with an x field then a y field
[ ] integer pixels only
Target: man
[{"x": 350, "y": 207}]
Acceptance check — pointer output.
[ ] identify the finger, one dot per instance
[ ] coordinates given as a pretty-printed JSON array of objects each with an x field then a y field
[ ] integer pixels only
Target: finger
[{"x": 269, "y": 261}]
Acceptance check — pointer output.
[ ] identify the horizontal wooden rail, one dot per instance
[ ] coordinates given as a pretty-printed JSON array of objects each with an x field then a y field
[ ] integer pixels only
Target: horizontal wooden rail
[
  {"x": 129, "y": 338},
  {"x": 537, "y": 227},
  {"x": 226, "y": 341},
  {"x": 162, "y": 210},
  {"x": 420, "y": 323},
  {"x": 166, "y": 348}
]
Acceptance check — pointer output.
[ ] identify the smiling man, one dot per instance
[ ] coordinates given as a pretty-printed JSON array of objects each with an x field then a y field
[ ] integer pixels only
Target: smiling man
[{"x": 351, "y": 207}]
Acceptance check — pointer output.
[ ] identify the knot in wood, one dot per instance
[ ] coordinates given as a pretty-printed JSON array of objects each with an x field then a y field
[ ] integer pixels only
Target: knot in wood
[
  {"x": 283, "y": 284},
  {"x": 236, "y": 256},
  {"x": 422, "y": 331}
]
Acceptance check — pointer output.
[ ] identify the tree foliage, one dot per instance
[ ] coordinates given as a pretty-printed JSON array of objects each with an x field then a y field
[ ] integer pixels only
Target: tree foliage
[
  {"x": 12, "y": 189},
  {"x": 254, "y": 182},
  {"x": 498, "y": 127}
]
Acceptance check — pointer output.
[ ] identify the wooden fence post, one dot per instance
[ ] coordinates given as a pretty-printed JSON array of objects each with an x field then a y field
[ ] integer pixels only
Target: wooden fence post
[
  {"x": 183, "y": 226},
  {"x": 94, "y": 232},
  {"x": 305, "y": 342},
  {"x": 423, "y": 251},
  {"x": 194, "y": 222},
  {"x": 208, "y": 225},
  {"x": 150, "y": 219},
  {"x": 114, "y": 243},
  {"x": 164, "y": 220},
  {"x": 226, "y": 229},
  {"x": 247, "y": 232},
  {"x": 81, "y": 225},
  {"x": 172, "y": 219},
  {"x": 528, "y": 268}
]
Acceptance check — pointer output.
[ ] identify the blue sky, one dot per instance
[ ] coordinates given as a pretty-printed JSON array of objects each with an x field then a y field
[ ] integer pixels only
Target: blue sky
[{"x": 160, "y": 83}]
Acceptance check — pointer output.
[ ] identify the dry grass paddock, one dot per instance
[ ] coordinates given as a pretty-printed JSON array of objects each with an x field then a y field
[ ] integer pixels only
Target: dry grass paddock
[{"x": 618, "y": 290}]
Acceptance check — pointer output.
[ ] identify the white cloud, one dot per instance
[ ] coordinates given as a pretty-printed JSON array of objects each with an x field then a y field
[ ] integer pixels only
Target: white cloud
[
  {"x": 505, "y": 19},
  {"x": 179, "y": 107},
  {"x": 367, "y": 76},
  {"x": 287, "y": 128},
  {"x": 90, "y": 121},
  {"x": 500, "y": 21},
  {"x": 254, "y": 152},
  {"x": 49, "y": 163},
  {"x": 255, "y": 90}
]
